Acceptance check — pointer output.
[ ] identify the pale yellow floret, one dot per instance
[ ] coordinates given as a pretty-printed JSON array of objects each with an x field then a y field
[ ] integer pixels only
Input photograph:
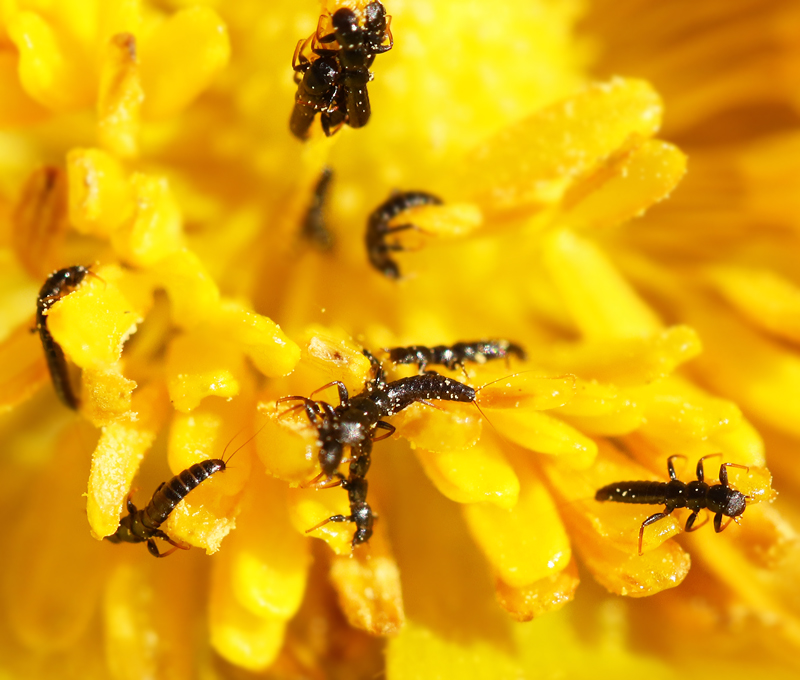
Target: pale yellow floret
[
  {"x": 526, "y": 543},
  {"x": 479, "y": 473},
  {"x": 105, "y": 394},
  {"x": 309, "y": 507},
  {"x": 155, "y": 227},
  {"x": 268, "y": 559},
  {"x": 92, "y": 323},
  {"x": 100, "y": 196},
  {"x": 600, "y": 301},
  {"x": 454, "y": 427},
  {"x": 38, "y": 222},
  {"x": 148, "y": 612},
  {"x": 542, "y": 433},
  {"x": 179, "y": 59},
  {"x": 624, "y": 186},
  {"x": 200, "y": 364},
  {"x": 50, "y": 68},
  {"x": 22, "y": 367},
  {"x": 121, "y": 449},
  {"x": 369, "y": 587},
  {"x": 604, "y": 409},
  {"x": 193, "y": 294},
  {"x": 546, "y": 595},
  {"x": 119, "y": 97},
  {"x": 45, "y": 614},
  {"x": 532, "y": 163}
]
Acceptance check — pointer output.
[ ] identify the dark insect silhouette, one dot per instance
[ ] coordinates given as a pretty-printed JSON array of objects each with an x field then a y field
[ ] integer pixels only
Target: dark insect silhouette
[
  {"x": 58, "y": 285},
  {"x": 354, "y": 423},
  {"x": 314, "y": 227},
  {"x": 338, "y": 87},
  {"x": 144, "y": 525},
  {"x": 720, "y": 498},
  {"x": 378, "y": 229},
  {"x": 454, "y": 356}
]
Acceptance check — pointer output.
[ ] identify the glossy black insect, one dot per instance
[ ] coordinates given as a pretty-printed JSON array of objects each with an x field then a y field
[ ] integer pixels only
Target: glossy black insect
[
  {"x": 338, "y": 87},
  {"x": 58, "y": 285},
  {"x": 314, "y": 227},
  {"x": 479, "y": 351},
  {"x": 142, "y": 525},
  {"x": 360, "y": 512},
  {"x": 318, "y": 91},
  {"x": 720, "y": 498},
  {"x": 355, "y": 420},
  {"x": 378, "y": 229}
]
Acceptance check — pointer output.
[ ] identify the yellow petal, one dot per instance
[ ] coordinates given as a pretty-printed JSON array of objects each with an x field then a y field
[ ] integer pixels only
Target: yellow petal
[
  {"x": 532, "y": 162},
  {"x": 192, "y": 292},
  {"x": 268, "y": 559},
  {"x": 100, "y": 196},
  {"x": 540, "y": 432},
  {"x": 527, "y": 391},
  {"x": 479, "y": 473},
  {"x": 180, "y": 58},
  {"x": 766, "y": 298},
  {"x": 39, "y": 609},
  {"x": 92, "y": 323},
  {"x": 200, "y": 365},
  {"x": 601, "y": 302},
  {"x": 625, "y": 185},
  {"x": 22, "y": 367},
  {"x": 40, "y": 221},
  {"x": 452, "y": 427},
  {"x": 155, "y": 228},
  {"x": 141, "y": 638},
  {"x": 546, "y": 595},
  {"x": 526, "y": 543},
  {"x": 106, "y": 395},
  {"x": 309, "y": 507},
  {"x": 246, "y": 640},
  {"x": 50, "y": 68},
  {"x": 368, "y": 583},
  {"x": 116, "y": 459},
  {"x": 261, "y": 339},
  {"x": 120, "y": 97}
]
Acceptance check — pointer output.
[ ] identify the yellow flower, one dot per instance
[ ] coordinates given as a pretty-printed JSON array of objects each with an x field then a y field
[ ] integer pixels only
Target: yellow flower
[{"x": 151, "y": 142}]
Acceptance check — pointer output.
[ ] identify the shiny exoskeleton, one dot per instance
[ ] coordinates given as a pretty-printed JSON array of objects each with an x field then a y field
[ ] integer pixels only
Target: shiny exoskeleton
[
  {"x": 454, "y": 356},
  {"x": 720, "y": 498},
  {"x": 360, "y": 511},
  {"x": 354, "y": 423},
  {"x": 142, "y": 525},
  {"x": 314, "y": 227},
  {"x": 318, "y": 91},
  {"x": 338, "y": 88},
  {"x": 58, "y": 284},
  {"x": 378, "y": 229}
]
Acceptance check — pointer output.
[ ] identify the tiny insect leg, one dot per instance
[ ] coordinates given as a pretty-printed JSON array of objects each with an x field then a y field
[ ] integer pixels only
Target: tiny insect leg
[
  {"x": 718, "y": 526},
  {"x": 690, "y": 526},
  {"x": 384, "y": 426},
  {"x": 650, "y": 520},
  {"x": 335, "y": 518}
]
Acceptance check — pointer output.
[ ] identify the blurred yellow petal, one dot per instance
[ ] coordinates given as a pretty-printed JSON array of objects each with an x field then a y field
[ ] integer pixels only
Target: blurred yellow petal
[
  {"x": 116, "y": 459},
  {"x": 523, "y": 544},
  {"x": 180, "y": 58},
  {"x": 120, "y": 97},
  {"x": 531, "y": 163},
  {"x": 546, "y": 595}
]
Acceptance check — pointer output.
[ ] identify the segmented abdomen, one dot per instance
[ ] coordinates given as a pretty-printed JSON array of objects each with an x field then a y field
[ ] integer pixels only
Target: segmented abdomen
[
  {"x": 645, "y": 493},
  {"x": 176, "y": 489},
  {"x": 428, "y": 386}
]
